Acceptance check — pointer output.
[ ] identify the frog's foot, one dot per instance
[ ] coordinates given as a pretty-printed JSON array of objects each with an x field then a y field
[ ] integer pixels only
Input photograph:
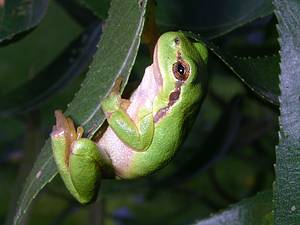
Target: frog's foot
[
  {"x": 65, "y": 131},
  {"x": 65, "y": 126},
  {"x": 117, "y": 85},
  {"x": 111, "y": 104}
]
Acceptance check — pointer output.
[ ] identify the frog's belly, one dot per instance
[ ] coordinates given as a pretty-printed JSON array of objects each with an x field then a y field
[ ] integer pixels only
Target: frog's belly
[
  {"x": 129, "y": 163},
  {"x": 120, "y": 154}
]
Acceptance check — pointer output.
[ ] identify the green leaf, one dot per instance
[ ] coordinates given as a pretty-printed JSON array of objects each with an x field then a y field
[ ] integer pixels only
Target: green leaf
[
  {"x": 211, "y": 18},
  {"x": 43, "y": 171},
  {"x": 98, "y": 7},
  {"x": 287, "y": 186},
  {"x": 115, "y": 57},
  {"x": 72, "y": 62},
  {"x": 253, "y": 211},
  {"x": 20, "y": 15},
  {"x": 56, "y": 25},
  {"x": 260, "y": 74}
]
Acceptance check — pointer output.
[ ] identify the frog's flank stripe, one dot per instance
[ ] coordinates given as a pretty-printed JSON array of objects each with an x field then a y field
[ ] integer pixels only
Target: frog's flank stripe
[{"x": 173, "y": 97}]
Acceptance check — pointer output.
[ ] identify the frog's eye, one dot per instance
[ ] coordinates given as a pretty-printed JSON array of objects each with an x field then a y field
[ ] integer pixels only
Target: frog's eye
[{"x": 181, "y": 70}]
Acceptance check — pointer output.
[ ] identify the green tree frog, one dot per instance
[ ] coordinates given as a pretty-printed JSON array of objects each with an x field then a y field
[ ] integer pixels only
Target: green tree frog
[{"x": 144, "y": 131}]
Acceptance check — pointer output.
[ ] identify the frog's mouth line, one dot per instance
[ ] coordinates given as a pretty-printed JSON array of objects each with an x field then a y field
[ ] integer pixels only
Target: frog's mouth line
[
  {"x": 174, "y": 95},
  {"x": 157, "y": 73}
]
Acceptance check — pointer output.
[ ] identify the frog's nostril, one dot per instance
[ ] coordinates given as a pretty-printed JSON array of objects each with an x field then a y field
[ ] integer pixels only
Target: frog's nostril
[{"x": 177, "y": 41}]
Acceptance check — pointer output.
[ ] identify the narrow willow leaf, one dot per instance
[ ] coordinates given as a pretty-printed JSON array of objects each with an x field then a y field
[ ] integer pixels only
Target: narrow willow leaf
[
  {"x": 253, "y": 211},
  {"x": 211, "y": 18},
  {"x": 115, "y": 57},
  {"x": 20, "y": 15},
  {"x": 287, "y": 169},
  {"x": 43, "y": 171},
  {"x": 260, "y": 74},
  {"x": 72, "y": 62}
]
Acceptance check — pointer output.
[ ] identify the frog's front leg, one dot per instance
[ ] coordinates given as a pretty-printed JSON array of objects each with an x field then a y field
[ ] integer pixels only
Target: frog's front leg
[
  {"x": 79, "y": 160},
  {"x": 137, "y": 132}
]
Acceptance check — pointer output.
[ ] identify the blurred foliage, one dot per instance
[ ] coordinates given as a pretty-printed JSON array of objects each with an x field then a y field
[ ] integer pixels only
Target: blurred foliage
[
  {"x": 228, "y": 156},
  {"x": 20, "y": 15}
]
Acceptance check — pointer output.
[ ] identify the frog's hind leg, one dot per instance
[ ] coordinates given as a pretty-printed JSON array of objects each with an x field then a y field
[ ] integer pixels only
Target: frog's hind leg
[
  {"x": 79, "y": 160},
  {"x": 86, "y": 166}
]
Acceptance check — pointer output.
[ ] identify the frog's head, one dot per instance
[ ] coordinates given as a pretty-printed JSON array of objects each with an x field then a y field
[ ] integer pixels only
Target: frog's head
[{"x": 179, "y": 60}]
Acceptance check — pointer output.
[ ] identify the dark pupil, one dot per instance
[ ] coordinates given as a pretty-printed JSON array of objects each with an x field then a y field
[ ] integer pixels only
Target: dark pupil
[{"x": 180, "y": 68}]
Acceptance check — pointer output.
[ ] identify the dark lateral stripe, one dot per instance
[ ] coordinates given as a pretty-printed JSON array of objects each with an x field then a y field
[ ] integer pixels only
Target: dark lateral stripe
[{"x": 173, "y": 97}]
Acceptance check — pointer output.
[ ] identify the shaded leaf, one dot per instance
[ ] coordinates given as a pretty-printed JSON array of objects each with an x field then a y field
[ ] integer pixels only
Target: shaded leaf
[
  {"x": 98, "y": 7},
  {"x": 260, "y": 74},
  {"x": 210, "y": 18},
  {"x": 72, "y": 62},
  {"x": 80, "y": 14},
  {"x": 253, "y": 211},
  {"x": 24, "y": 59},
  {"x": 287, "y": 185},
  {"x": 20, "y": 15},
  {"x": 115, "y": 57}
]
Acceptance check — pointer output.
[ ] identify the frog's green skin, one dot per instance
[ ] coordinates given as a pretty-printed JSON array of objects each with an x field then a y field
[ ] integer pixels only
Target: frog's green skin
[{"x": 145, "y": 131}]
